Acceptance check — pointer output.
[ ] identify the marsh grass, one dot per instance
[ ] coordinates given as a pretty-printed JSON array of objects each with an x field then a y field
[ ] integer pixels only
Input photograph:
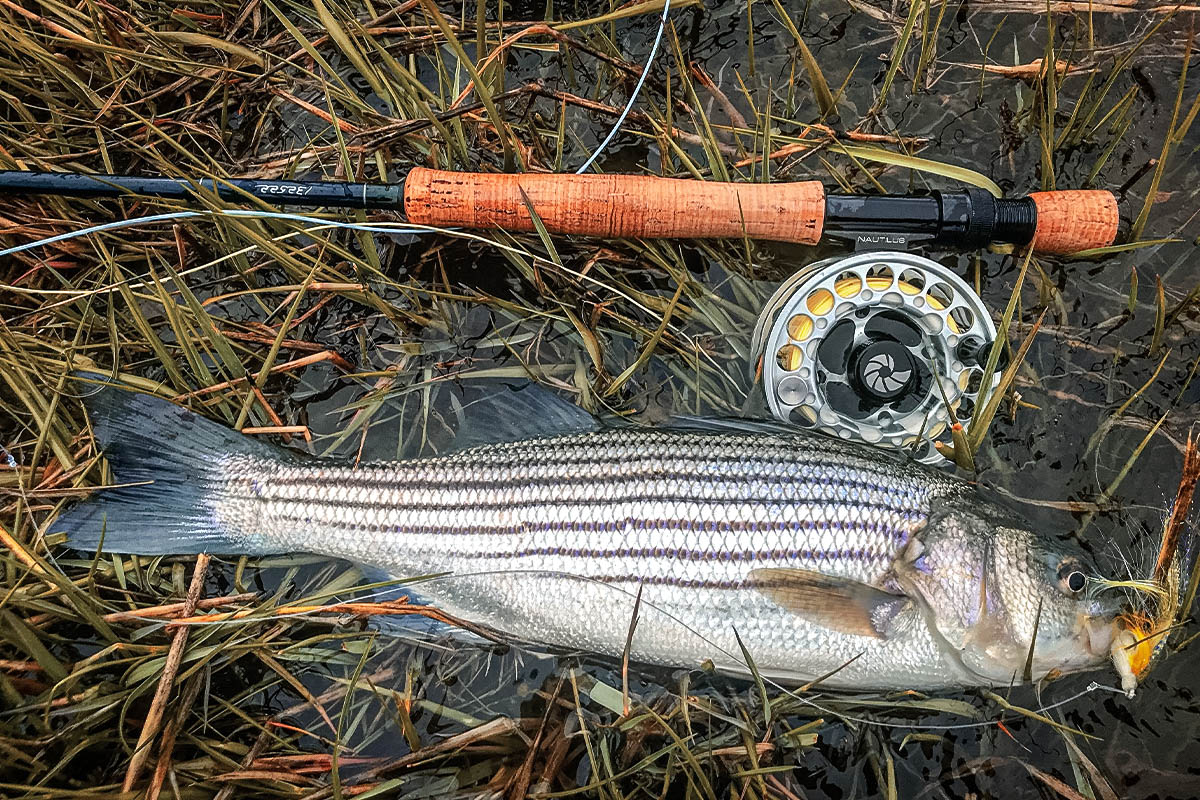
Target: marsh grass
[{"x": 274, "y": 686}]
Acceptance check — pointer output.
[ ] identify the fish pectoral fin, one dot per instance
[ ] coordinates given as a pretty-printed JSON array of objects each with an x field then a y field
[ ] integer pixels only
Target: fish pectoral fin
[{"x": 839, "y": 604}]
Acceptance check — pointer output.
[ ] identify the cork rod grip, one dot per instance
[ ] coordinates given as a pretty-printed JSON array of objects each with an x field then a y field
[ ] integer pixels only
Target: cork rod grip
[
  {"x": 1076, "y": 219},
  {"x": 617, "y": 206}
]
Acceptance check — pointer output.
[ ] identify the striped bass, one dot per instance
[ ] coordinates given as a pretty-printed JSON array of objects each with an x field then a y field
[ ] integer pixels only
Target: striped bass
[{"x": 827, "y": 559}]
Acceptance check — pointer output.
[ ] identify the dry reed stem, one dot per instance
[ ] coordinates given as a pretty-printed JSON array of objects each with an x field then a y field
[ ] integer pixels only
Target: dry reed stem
[
  {"x": 325, "y": 355},
  {"x": 18, "y": 550},
  {"x": 1173, "y": 530},
  {"x": 162, "y": 693}
]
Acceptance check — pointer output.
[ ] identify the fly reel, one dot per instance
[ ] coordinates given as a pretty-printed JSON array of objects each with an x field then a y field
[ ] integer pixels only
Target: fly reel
[{"x": 877, "y": 347}]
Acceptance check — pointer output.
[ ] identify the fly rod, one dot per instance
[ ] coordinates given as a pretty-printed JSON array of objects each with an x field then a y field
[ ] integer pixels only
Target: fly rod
[{"x": 637, "y": 206}]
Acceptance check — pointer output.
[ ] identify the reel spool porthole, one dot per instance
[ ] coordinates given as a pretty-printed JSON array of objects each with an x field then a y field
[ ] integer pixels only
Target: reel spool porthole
[{"x": 853, "y": 346}]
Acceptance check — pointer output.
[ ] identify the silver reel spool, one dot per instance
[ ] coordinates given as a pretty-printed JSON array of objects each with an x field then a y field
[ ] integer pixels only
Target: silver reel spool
[{"x": 853, "y": 346}]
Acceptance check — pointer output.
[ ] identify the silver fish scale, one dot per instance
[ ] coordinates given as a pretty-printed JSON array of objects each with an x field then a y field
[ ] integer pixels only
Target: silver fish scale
[{"x": 548, "y": 540}]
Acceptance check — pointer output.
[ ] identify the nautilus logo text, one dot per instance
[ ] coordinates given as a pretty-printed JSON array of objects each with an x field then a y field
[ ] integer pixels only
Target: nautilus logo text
[{"x": 881, "y": 374}]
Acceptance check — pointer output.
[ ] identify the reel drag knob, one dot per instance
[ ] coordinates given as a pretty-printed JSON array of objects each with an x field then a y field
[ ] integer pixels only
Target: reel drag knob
[{"x": 883, "y": 371}]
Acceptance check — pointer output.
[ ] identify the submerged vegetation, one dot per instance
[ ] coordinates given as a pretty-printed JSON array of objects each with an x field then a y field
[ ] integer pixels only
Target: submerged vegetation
[{"x": 192, "y": 677}]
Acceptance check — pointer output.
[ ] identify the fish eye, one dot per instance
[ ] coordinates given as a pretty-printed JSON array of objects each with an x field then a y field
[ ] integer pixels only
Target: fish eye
[{"x": 1071, "y": 578}]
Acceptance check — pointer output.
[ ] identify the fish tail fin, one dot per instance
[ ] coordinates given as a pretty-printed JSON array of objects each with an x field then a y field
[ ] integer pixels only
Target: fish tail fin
[{"x": 170, "y": 467}]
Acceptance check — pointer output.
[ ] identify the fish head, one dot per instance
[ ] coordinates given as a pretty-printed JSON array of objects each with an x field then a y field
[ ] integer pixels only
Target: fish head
[{"x": 1006, "y": 603}]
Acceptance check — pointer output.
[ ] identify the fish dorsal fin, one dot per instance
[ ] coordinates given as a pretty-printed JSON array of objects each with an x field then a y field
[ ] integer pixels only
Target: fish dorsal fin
[
  {"x": 506, "y": 412},
  {"x": 839, "y": 604}
]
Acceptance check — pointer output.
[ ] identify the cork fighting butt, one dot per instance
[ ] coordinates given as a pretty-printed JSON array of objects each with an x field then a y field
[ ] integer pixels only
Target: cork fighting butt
[{"x": 1072, "y": 220}]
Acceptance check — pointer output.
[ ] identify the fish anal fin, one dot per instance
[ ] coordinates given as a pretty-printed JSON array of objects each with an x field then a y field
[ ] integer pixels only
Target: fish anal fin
[{"x": 839, "y": 604}]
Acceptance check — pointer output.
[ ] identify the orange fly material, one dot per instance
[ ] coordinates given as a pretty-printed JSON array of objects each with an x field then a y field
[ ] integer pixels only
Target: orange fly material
[{"x": 1141, "y": 653}]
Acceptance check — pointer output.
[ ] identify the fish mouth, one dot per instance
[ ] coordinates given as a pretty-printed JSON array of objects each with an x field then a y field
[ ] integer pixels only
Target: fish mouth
[
  {"x": 1099, "y": 633},
  {"x": 1114, "y": 639},
  {"x": 1106, "y": 634},
  {"x": 1100, "y": 621},
  {"x": 1122, "y": 650}
]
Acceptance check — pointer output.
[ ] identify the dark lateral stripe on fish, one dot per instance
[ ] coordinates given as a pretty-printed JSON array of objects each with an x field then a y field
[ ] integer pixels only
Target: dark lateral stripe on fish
[
  {"x": 391, "y": 483},
  {"x": 515, "y": 504},
  {"x": 603, "y": 476},
  {"x": 656, "y": 580},
  {"x": 649, "y": 580},
  {"x": 636, "y": 492},
  {"x": 677, "y": 554},
  {"x": 899, "y": 535}
]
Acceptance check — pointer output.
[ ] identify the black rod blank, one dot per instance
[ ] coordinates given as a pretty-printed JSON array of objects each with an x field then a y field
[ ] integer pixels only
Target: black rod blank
[{"x": 294, "y": 193}]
